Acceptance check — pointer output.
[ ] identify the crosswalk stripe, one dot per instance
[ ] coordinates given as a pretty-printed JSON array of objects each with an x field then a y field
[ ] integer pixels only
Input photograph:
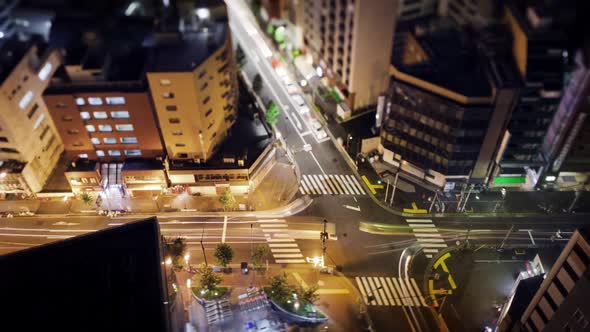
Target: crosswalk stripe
[
  {"x": 273, "y": 225},
  {"x": 282, "y": 245},
  {"x": 287, "y": 255},
  {"x": 428, "y": 256},
  {"x": 342, "y": 184},
  {"x": 361, "y": 288},
  {"x": 324, "y": 184},
  {"x": 429, "y": 235},
  {"x": 309, "y": 184},
  {"x": 430, "y": 240},
  {"x": 419, "y": 221},
  {"x": 420, "y": 297},
  {"x": 393, "y": 292},
  {"x": 382, "y": 291},
  {"x": 399, "y": 291},
  {"x": 281, "y": 240},
  {"x": 373, "y": 292},
  {"x": 349, "y": 181},
  {"x": 273, "y": 250},
  {"x": 343, "y": 180},
  {"x": 352, "y": 184},
  {"x": 430, "y": 251},
  {"x": 301, "y": 190},
  {"x": 336, "y": 184},
  {"x": 273, "y": 230},
  {"x": 313, "y": 184},
  {"x": 434, "y": 245},
  {"x": 413, "y": 297},
  {"x": 421, "y": 230},
  {"x": 366, "y": 284},
  {"x": 329, "y": 184},
  {"x": 279, "y": 261},
  {"x": 358, "y": 185},
  {"x": 386, "y": 289},
  {"x": 303, "y": 184},
  {"x": 317, "y": 180}
]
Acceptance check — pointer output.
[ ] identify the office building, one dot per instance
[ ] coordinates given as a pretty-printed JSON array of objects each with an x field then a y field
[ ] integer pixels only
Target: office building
[
  {"x": 109, "y": 280},
  {"x": 29, "y": 143},
  {"x": 351, "y": 41},
  {"x": 451, "y": 99},
  {"x": 559, "y": 303},
  {"x": 538, "y": 49}
]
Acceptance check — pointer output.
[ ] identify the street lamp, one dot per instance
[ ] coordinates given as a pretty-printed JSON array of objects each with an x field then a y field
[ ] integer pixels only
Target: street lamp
[
  {"x": 168, "y": 261},
  {"x": 186, "y": 258}
]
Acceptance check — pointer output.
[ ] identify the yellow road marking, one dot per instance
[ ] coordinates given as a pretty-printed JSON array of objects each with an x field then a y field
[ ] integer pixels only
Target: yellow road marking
[
  {"x": 415, "y": 209},
  {"x": 300, "y": 280},
  {"x": 371, "y": 186},
  {"x": 441, "y": 262},
  {"x": 331, "y": 291}
]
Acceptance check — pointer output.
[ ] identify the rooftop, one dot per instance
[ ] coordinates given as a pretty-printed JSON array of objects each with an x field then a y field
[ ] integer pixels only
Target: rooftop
[
  {"x": 83, "y": 165},
  {"x": 138, "y": 164},
  {"x": 436, "y": 51},
  {"x": 108, "y": 280}
]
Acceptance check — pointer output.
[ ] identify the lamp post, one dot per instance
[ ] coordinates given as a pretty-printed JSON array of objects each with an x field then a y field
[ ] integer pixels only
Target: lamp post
[{"x": 324, "y": 237}]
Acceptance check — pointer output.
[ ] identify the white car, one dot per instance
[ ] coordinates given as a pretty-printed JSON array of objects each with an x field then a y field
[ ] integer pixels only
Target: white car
[
  {"x": 315, "y": 124},
  {"x": 321, "y": 134},
  {"x": 292, "y": 88},
  {"x": 300, "y": 103}
]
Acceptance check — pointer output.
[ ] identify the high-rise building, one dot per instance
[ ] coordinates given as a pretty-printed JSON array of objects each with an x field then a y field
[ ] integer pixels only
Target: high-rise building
[
  {"x": 450, "y": 102},
  {"x": 29, "y": 143},
  {"x": 538, "y": 49},
  {"x": 352, "y": 41}
]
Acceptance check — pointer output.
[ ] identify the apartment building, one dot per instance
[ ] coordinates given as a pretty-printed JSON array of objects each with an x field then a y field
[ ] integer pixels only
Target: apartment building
[
  {"x": 29, "y": 143},
  {"x": 450, "y": 103},
  {"x": 352, "y": 40},
  {"x": 538, "y": 49}
]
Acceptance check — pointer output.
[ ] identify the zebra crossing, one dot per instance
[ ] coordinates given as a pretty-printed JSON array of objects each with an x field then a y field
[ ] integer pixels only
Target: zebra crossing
[
  {"x": 331, "y": 184},
  {"x": 389, "y": 291},
  {"x": 282, "y": 246},
  {"x": 427, "y": 236}
]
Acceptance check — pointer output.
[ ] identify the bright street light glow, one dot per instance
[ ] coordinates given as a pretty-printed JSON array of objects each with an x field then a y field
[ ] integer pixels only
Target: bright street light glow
[
  {"x": 202, "y": 13},
  {"x": 303, "y": 83},
  {"x": 550, "y": 178},
  {"x": 188, "y": 283},
  {"x": 3, "y": 175},
  {"x": 186, "y": 257},
  {"x": 168, "y": 261},
  {"x": 319, "y": 71}
]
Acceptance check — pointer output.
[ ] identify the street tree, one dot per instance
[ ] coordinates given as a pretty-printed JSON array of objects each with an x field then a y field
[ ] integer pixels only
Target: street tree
[
  {"x": 227, "y": 199},
  {"x": 208, "y": 280},
  {"x": 224, "y": 254},
  {"x": 308, "y": 295},
  {"x": 257, "y": 83},
  {"x": 281, "y": 290},
  {"x": 272, "y": 114},
  {"x": 240, "y": 57},
  {"x": 260, "y": 255},
  {"x": 86, "y": 198},
  {"x": 176, "y": 248}
]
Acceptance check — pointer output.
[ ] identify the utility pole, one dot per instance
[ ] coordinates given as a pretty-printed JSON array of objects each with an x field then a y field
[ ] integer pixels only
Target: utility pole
[
  {"x": 394, "y": 187},
  {"x": 577, "y": 194},
  {"x": 467, "y": 198},
  {"x": 324, "y": 237},
  {"x": 203, "y": 247},
  {"x": 433, "y": 200},
  {"x": 386, "y": 190},
  {"x": 506, "y": 237}
]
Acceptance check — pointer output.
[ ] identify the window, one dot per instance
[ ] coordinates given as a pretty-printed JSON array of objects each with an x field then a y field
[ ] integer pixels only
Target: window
[
  {"x": 45, "y": 71},
  {"x": 73, "y": 131},
  {"x": 180, "y": 144},
  {"x": 105, "y": 128},
  {"x": 114, "y": 153},
  {"x": 83, "y": 155},
  {"x": 202, "y": 73},
  {"x": 171, "y": 108},
  {"x": 61, "y": 105},
  {"x": 3, "y": 139},
  {"x": 77, "y": 144},
  {"x": 168, "y": 95},
  {"x": 94, "y": 101},
  {"x": 80, "y": 101},
  {"x": 204, "y": 86},
  {"x": 99, "y": 153},
  {"x": 120, "y": 115},
  {"x": 100, "y": 115},
  {"x": 115, "y": 100},
  {"x": 25, "y": 100},
  {"x": 39, "y": 120},
  {"x": 85, "y": 115},
  {"x": 165, "y": 82},
  {"x": 8, "y": 150},
  {"x": 124, "y": 127},
  {"x": 90, "y": 128},
  {"x": 95, "y": 141},
  {"x": 44, "y": 132},
  {"x": 209, "y": 112},
  {"x": 133, "y": 153},
  {"x": 206, "y": 100},
  {"x": 109, "y": 140},
  {"x": 129, "y": 140},
  {"x": 67, "y": 118},
  {"x": 177, "y": 133},
  {"x": 174, "y": 120},
  {"x": 34, "y": 110}
]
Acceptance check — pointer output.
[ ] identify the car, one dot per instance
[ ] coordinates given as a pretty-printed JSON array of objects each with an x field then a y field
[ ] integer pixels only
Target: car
[
  {"x": 321, "y": 134},
  {"x": 292, "y": 88},
  {"x": 300, "y": 104},
  {"x": 316, "y": 124}
]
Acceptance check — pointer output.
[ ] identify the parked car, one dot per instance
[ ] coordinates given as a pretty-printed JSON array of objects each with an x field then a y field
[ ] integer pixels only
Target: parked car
[
  {"x": 300, "y": 104},
  {"x": 321, "y": 134},
  {"x": 292, "y": 88},
  {"x": 316, "y": 124}
]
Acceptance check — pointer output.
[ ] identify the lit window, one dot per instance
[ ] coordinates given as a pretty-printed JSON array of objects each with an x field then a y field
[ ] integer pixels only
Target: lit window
[
  {"x": 25, "y": 100},
  {"x": 100, "y": 153},
  {"x": 45, "y": 71},
  {"x": 39, "y": 121},
  {"x": 66, "y": 118},
  {"x": 180, "y": 144},
  {"x": 115, "y": 100},
  {"x": 105, "y": 128},
  {"x": 174, "y": 120},
  {"x": 109, "y": 140},
  {"x": 129, "y": 140},
  {"x": 133, "y": 153},
  {"x": 165, "y": 82},
  {"x": 73, "y": 131},
  {"x": 100, "y": 115},
  {"x": 177, "y": 133},
  {"x": 168, "y": 95},
  {"x": 94, "y": 101},
  {"x": 80, "y": 101},
  {"x": 120, "y": 115},
  {"x": 85, "y": 115},
  {"x": 124, "y": 127},
  {"x": 83, "y": 155},
  {"x": 90, "y": 128},
  {"x": 95, "y": 141},
  {"x": 114, "y": 153}
]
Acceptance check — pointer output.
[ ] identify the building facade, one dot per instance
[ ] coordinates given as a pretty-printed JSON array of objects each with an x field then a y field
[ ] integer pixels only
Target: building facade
[
  {"x": 29, "y": 143},
  {"x": 352, "y": 41}
]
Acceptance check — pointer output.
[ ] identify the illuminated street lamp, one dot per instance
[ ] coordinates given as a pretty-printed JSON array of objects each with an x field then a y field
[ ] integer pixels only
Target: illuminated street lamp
[
  {"x": 3, "y": 175},
  {"x": 168, "y": 261}
]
